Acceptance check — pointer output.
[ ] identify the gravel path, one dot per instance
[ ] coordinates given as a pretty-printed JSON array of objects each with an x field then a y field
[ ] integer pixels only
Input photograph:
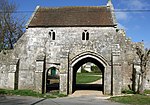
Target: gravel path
[{"x": 79, "y": 93}]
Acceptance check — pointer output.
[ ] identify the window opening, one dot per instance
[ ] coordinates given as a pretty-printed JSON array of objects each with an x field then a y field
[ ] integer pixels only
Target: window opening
[
  {"x": 85, "y": 35},
  {"x": 52, "y": 35},
  {"x": 53, "y": 38}
]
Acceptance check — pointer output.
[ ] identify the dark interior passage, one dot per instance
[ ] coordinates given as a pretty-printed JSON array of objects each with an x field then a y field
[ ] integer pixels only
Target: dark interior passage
[
  {"x": 52, "y": 80},
  {"x": 98, "y": 87}
]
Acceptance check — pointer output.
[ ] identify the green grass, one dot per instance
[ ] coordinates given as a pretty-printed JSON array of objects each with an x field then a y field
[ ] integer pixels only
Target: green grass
[
  {"x": 128, "y": 92},
  {"x": 30, "y": 93},
  {"x": 133, "y": 100},
  {"x": 89, "y": 73},
  {"x": 147, "y": 91},
  {"x": 86, "y": 77}
]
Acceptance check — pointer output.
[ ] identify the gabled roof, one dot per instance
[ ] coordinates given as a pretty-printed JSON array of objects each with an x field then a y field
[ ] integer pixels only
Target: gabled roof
[{"x": 72, "y": 16}]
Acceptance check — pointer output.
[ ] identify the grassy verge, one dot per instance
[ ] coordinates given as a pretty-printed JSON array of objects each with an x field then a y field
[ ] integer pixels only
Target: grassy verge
[
  {"x": 86, "y": 77},
  {"x": 147, "y": 91},
  {"x": 89, "y": 73},
  {"x": 133, "y": 100},
  {"x": 30, "y": 93}
]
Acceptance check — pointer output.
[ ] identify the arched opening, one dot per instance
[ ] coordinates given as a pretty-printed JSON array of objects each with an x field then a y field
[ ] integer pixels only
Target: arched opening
[
  {"x": 52, "y": 80},
  {"x": 84, "y": 86}
]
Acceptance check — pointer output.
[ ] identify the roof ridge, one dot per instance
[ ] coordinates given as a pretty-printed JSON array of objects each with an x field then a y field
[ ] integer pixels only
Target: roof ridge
[{"x": 74, "y": 7}]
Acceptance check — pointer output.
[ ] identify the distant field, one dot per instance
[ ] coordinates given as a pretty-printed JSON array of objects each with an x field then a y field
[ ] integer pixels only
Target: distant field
[{"x": 87, "y": 77}]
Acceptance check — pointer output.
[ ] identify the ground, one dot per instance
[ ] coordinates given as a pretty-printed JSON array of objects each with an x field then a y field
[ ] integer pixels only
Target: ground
[
  {"x": 80, "y": 97},
  {"x": 78, "y": 93},
  {"x": 82, "y": 100}
]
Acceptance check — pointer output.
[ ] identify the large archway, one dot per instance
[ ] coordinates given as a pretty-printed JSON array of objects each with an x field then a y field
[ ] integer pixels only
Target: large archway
[
  {"x": 98, "y": 60},
  {"x": 76, "y": 86}
]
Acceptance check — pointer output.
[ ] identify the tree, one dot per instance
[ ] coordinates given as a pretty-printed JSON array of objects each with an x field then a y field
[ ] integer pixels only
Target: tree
[
  {"x": 144, "y": 57},
  {"x": 11, "y": 27},
  {"x": 95, "y": 69}
]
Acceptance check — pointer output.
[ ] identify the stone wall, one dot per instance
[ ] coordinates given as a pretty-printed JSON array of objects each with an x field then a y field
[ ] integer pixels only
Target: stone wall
[
  {"x": 68, "y": 44},
  {"x": 68, "y": 41},
  {"x": 9, "y": 69}
]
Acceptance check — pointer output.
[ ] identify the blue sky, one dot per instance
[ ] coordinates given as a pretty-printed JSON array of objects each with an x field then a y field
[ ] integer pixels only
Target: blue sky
[{"x": 136, "y": 24}]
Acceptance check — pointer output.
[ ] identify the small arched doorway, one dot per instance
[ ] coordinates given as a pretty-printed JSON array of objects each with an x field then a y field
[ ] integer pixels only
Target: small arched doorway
[
  {"x": 99, "y": 61},
  {"x": 52, "y": 80}
]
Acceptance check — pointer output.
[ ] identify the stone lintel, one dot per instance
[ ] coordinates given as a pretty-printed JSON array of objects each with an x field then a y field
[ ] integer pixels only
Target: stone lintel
[
  {"x": 55, "y": 63},
  {"x": 116, "y": 64},
  {"x": 116, "y": 53},
  {"x": 38, "y": 71}
]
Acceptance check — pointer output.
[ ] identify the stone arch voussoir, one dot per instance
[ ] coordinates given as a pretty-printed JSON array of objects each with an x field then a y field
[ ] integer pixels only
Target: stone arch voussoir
[{"x": 93, "y": 55}]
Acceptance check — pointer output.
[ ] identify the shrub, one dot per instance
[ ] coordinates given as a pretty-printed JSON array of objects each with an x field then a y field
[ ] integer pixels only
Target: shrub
[
  {"x": 128, "y": 92},
  {"x": 95, "y": 69},
  {"x": 147, "y": 91}
]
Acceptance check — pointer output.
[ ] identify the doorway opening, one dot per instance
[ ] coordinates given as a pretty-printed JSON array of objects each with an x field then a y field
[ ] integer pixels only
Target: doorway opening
[
  {"x": 88, "y": 80},
  {"x": 52, "y": 80}
]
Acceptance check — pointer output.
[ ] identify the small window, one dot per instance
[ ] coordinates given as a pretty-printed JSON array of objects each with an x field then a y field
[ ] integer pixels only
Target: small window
[
  {"x": 85, "y": 35},
  {"x": 52, "y": 35},
  {"x": 53, "y": 38}
]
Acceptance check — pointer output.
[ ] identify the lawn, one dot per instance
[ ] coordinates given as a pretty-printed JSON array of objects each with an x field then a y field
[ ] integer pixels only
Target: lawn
[
  {"x": 87, "y": 77},
  {"x": 30, "y": 93},
  {"x": 133, "y": 100},
  {"x": 147, "y": 92}
]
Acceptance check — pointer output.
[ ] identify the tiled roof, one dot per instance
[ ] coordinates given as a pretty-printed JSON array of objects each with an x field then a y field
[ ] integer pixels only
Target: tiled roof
[{"x": 72, "y": 16}]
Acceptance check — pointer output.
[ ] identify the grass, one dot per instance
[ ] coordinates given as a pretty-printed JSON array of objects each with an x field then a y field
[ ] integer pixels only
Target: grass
[
  {"x": 133, "y": 99},
  {"x": 128, "y": 92},
  {"x": 89, "y": 73},
  {"x": 87, "y": 77},
  {"x": 30, "y": 93},
  {"x": 147, "y": 91}
]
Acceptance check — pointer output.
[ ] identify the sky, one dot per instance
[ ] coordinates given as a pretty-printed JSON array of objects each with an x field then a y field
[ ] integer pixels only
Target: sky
[{"x": 135, "y": 22}]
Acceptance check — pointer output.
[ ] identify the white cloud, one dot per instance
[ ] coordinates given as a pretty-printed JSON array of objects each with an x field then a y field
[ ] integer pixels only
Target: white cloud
[
  {"x": 135, "y": 4},
  {"x": 121, "y": 15},
  {"x": 130, "y": 4}
]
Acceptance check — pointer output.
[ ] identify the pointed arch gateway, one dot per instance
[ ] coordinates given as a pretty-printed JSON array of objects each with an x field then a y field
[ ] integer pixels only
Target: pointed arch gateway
[{"x": 98, "y": 60}]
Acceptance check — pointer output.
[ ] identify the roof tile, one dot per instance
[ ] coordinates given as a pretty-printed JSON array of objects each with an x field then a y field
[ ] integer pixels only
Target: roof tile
[{"x": 72, "y": 16}]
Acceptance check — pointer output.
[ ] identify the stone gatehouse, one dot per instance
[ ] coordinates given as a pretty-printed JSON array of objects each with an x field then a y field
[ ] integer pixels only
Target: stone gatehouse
[{"x": 65, "y": 38}]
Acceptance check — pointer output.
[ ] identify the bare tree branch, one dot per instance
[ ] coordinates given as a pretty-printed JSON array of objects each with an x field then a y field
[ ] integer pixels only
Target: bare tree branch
[
  {"x": 10, "y": 27},
  {"x": 144, "y": 57}
]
